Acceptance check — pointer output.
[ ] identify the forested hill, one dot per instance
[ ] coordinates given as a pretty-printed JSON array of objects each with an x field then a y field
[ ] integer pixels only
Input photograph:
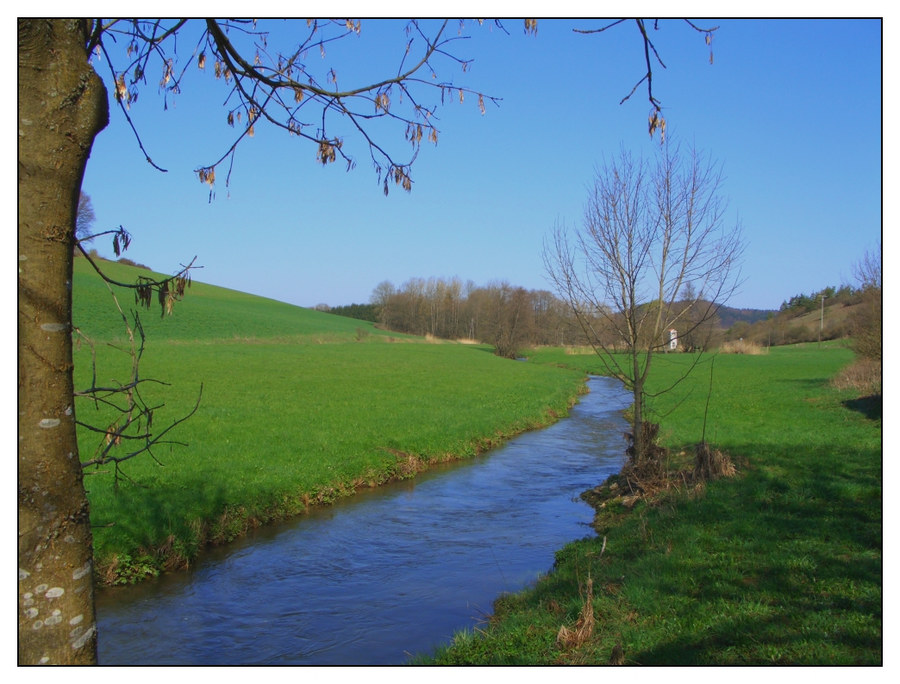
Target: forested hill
[{"x": 729, "y": 316}]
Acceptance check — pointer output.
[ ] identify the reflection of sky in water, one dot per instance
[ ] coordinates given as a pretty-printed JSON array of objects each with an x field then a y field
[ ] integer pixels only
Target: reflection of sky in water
[{"x": 391, "y": 572}]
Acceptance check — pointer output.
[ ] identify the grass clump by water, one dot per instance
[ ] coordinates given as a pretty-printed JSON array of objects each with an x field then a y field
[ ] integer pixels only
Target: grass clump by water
[
  {"x": 298, "y": 408},
  {"x": 781, "y": 564}
]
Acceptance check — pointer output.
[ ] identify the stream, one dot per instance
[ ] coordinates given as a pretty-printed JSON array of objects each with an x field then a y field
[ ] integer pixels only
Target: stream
[{"x": 386, "y": 574}]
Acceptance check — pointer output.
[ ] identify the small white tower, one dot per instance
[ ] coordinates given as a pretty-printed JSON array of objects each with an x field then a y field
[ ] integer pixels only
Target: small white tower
[{"x": 673, "y": 339}]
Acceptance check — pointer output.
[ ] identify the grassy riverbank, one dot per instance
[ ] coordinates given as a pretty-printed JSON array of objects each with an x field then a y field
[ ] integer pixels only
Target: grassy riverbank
[
  {"x": 781, "y": 564},
  {"x": 298, "y": 407}
]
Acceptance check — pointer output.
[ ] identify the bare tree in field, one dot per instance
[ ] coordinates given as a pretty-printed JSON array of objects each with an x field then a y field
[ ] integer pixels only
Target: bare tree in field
[{"x": 652, "y": 231}]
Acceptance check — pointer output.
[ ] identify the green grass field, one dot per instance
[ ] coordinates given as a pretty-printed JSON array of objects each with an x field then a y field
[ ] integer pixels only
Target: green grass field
[
  {"x": 298, "y": 407},
  {"x": 779, "y": 565}
]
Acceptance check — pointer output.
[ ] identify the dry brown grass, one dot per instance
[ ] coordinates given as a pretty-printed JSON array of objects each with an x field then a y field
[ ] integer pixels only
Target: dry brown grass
[
  {"x": 584, "y": 627},
  {"x": 579, "y": 351},
  {"x": 408, "y": 465},
  {"x": 656, "y": 475},
  {"x": 743, "y": 347},
  {"x": 710, "y": 464},
  {"x": 863, "y": 376}
]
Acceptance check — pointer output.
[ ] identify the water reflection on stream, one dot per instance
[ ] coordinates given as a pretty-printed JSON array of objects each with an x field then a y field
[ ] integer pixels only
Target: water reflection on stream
[{"x": 391, "y": 572}]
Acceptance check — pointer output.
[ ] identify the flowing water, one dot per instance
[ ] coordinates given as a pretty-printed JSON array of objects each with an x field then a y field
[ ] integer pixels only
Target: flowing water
[{"x": 386, "y": 574}]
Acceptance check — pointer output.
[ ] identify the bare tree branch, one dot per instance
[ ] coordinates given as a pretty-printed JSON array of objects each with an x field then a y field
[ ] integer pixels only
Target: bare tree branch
[
  {"x": 270, "y": 86},
  {"x": 649, "y": 231},
  {"x": 656, "y": 119},
  {"x": 133, "y": 417}
]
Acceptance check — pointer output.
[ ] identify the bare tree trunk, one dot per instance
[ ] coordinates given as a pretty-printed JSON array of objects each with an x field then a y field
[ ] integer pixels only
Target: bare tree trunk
[
  {"x": 637, "y": 419},
  {"x": 62, "y": 106}
]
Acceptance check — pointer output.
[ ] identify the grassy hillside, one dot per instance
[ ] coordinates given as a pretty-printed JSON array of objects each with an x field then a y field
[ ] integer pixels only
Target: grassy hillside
[
  {"x": 298, "y": 407},
  {"x": 206, "y": 313},
  {"x": 792, "y": 326},
  {"x": 835, "y": 321}
]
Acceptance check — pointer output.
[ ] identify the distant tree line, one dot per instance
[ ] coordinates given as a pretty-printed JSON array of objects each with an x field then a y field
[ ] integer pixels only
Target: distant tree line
[
  {"x": 512, "y": 318},
  {"x": 361, "y": 312},
  {"x": 506, "y": 316}
]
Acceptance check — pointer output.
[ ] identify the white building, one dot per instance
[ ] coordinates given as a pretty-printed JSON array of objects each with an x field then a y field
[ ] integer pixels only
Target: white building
[{"x": 673, "y": 339}]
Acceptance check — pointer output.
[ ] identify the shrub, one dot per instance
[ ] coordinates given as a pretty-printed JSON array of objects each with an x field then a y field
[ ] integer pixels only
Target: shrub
[
  {"x": 866, "y": 327},
  {"x": 798, "y": 333},
  {"x": 710, "y": 464}
]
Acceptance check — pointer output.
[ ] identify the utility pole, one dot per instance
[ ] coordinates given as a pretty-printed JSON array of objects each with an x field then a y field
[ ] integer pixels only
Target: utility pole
[{"x": 821, "y": 321}]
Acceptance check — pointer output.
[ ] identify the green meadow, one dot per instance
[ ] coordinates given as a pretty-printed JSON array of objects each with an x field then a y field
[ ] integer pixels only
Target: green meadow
[
  {"x": 298, "y": 407},
  {"x": 781, "y": 564}
]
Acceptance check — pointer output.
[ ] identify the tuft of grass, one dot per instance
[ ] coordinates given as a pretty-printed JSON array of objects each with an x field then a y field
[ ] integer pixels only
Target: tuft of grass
[{"x": 569, "y": 639}]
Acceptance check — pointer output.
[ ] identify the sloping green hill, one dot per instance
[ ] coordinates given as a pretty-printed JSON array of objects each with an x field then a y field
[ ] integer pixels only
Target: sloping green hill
[{"x": 207, "y": 312}]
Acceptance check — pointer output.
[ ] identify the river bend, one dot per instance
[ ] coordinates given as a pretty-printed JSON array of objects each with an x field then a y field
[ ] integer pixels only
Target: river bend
[{"x": 383, "y": 575}]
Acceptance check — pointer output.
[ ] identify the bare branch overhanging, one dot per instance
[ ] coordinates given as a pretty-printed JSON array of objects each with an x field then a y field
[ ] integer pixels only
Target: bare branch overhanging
[
  {"x": 280, "y": 87},
  {"x": 133, "y": 416}
]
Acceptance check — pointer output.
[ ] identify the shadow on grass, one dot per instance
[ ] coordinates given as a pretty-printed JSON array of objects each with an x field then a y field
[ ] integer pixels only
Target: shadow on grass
[
  {"x": 784, "y": 565},
  {"x": 869, "y": 406},
  {"x": 150, "y": 517},
  {"x": 779, "y": 639}
]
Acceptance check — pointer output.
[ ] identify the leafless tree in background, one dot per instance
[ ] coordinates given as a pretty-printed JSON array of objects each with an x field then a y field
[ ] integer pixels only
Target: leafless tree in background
[
  {"x": 652, "y": 231},
  {"x": 84, "y": 219},
  {"x": 867, "y": 328}
]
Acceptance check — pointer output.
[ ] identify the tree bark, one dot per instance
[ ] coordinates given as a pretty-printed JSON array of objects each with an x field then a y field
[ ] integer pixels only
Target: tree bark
[
  {"x": 637, "y": 426},
  {"x": 62, "y": 105}
]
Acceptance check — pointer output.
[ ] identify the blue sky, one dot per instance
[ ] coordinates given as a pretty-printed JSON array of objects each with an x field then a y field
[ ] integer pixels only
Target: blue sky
[{"x": 791, "y": 108}]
